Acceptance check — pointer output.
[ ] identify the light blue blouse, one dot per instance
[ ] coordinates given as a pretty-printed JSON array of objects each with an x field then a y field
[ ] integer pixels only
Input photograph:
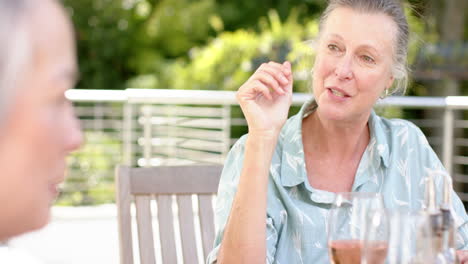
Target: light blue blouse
[{"x": 395, "y": 163}]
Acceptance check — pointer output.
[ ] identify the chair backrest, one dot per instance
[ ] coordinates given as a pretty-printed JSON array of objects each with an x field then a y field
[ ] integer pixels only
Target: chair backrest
[{"x": 141, "y": 185}]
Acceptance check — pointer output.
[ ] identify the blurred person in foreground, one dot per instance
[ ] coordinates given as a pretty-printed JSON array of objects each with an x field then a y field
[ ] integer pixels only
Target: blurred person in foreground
[
  {"x": 280, "y": 180},
  {"x": 37, "y": 123}
]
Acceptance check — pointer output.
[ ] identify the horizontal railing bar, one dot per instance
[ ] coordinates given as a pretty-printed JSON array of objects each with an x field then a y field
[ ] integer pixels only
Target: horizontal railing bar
[
  {"x": 460, "y": 178},
  {"x": 462, "y": 142},
  {"x": 461, "y": 123},
  {"x": 185, "y": 111},
  {"x": 238, "y": 122},
  {"x": 414, "y": 102},
  {"x": 462, "y": 160},
  {"x": 89, "y": 95},
  {"x": 433, "y": 123},
  {"x": 457, "y": 102},
  {"x": 463, "y": 196},
  {"x": 200, "y": 97}
]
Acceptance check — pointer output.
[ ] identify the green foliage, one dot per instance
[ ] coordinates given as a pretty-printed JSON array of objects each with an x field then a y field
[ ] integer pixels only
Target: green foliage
[
  {"x": 246, "y": 13},
  {"x": 119, "y": 40},
  {"x": 217, "y": 65},
  {"x": 228, "y": 60},
  {"x": 177, "y": 25},
  {"x": 104, "y": 32}
]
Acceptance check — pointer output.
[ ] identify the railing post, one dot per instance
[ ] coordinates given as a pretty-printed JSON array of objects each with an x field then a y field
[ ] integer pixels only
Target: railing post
[
  {"x": 447, "y": 148},
  {"x": 147, "y": 135},
  {"x": 127, "y": 134},
  {"x": 172, "y": 134}
]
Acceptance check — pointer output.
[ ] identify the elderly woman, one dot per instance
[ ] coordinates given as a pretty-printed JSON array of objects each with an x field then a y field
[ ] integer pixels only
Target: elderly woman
[
  {"x": 37, "y": 124},
  {"x": 280, "y": 180}
]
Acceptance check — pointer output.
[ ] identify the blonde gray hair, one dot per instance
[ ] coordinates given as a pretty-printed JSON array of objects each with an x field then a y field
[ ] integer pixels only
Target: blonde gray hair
[
  {"x": 15, "y": 49},
  {"x": 393, "y": 9}
]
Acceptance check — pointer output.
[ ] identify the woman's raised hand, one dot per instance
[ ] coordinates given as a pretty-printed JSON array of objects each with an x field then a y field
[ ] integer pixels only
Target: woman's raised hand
[{"x": 266, "y": 96}]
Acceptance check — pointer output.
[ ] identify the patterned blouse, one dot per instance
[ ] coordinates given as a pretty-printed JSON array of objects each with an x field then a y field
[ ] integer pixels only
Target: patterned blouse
[{"x": 395, "y": 163}]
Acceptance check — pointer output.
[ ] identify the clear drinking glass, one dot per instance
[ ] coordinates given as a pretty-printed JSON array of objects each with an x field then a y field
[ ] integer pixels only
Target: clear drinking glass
[
  {"x": 410, "y": 238},
  {"x": 348, "y": 224},
  {"x": 376, "y": 239}
]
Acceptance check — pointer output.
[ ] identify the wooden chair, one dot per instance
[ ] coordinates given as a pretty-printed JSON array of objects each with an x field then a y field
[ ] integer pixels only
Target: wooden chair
[{"x": 141, "y": 185}]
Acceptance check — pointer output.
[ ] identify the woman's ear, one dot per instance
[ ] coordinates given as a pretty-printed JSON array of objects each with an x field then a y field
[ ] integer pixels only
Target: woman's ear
[{"x": 390, "y": 82}]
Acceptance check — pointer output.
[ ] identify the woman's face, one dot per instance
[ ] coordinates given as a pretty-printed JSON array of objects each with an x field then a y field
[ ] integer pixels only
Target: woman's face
[
  {"x": 41, "y": 128},
  {"x": 353, "y": 64}
]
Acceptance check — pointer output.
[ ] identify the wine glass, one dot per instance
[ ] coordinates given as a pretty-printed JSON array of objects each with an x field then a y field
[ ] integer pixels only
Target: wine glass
[
  {"x": 410, "y": 238},
  {"x": 347, "y": 226},
  {"x": 375, "y": 248}
]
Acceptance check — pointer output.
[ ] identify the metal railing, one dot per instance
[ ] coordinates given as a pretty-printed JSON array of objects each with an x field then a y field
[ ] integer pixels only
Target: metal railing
[{"x": 143, "y": 127}]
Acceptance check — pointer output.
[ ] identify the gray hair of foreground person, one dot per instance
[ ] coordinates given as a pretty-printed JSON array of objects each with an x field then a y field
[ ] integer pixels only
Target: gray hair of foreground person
[
  {"x": 394, "y": 10},
  {"x": 15, "y": 48}
]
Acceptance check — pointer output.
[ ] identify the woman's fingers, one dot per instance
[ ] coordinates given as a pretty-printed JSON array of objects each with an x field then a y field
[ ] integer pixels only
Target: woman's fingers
[
  {"x": 281, "y": 67},
  {"x": 251, "y": 90},
  {"x": 268, "y": 79},
  {"x": 274, "y": 75},
  {"x": 287, "y": 66},
  {"x": 280, "y": 70},
  {"x": 259, "y": 87},
  {"x": 279, "y": 76},
  {"x": 266, "y": 97}
]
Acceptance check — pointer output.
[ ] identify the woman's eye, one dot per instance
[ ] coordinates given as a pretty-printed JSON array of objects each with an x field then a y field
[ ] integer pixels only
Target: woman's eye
[
  {"x": 333, "y": 47},
  {"x": 367, "y": 59}
]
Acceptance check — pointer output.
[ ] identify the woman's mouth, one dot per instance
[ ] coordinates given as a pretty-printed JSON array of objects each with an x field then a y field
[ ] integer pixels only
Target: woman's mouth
[{"x": 337, "y": 93}]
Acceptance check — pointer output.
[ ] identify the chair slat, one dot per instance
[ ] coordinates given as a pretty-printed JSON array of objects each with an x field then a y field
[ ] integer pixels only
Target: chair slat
[
  {"x": 166, "y": 229},
  {"x": 124, "y": 200},
  {"x": 145, "y": 229},
  {"x": 206, "y": 222},
  {"x": 187, "y": 229},
  {"x": 176, "y": 179}
]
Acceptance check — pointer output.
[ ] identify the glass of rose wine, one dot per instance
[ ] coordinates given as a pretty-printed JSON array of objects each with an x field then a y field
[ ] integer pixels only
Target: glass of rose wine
[
  {"x": 348, "y": 225},
  {"x": 376, "y": 238}
]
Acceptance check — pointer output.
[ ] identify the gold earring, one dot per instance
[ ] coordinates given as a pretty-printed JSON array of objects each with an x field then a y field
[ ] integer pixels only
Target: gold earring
[{"x": 385, "y": 95}]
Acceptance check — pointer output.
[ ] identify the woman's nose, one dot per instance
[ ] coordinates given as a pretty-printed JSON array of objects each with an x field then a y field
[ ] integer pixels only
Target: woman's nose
[
  {"x": 74, "y": 138},
  {"x": 344, "y": 69}
]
